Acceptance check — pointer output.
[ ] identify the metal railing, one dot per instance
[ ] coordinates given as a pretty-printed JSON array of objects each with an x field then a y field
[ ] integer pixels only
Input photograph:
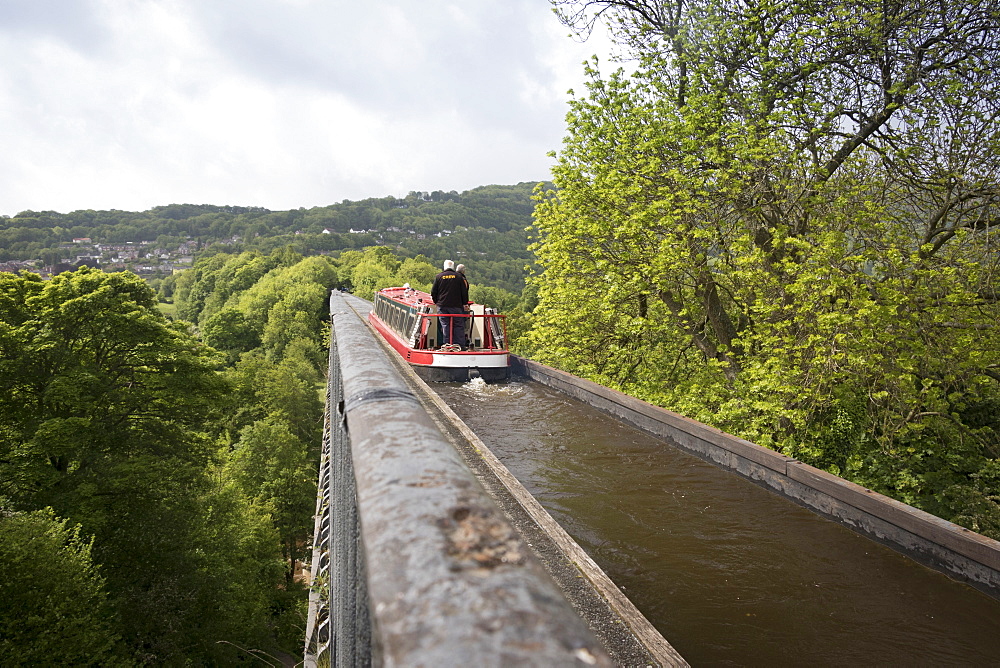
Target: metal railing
[
  {"x": 338, "y": 629},
  {"x": 418, "y": 324},
  {"x": 414, "y": 565}
]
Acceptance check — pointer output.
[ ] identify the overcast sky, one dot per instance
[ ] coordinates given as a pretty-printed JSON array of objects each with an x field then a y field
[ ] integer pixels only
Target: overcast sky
[{"x": 130, "y": 104}]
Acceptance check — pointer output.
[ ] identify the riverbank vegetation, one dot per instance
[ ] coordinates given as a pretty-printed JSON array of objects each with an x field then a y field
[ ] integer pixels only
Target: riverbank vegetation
[
  {"x": 158, "y": 474},
  {"x": 784, "y": 224},
  {"x": 156, "y": 493}
]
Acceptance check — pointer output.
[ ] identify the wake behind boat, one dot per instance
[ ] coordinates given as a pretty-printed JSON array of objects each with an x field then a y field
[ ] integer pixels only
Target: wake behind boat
[{"x": 409, "y": 321}]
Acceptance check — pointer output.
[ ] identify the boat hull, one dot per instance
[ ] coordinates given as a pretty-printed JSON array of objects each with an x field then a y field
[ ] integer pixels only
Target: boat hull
[{"x": 437, "y": 374}]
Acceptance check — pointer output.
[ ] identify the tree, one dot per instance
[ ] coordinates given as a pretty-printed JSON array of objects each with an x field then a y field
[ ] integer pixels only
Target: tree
[
  {"x": 105, "y": 418},
  {"x": 55, "y": 606},
  {"x": 94, "y": 375},
  {"x": 418, "y": 272},
  {"x": 257, "y": 301},
  {"x": 193, "y": 287},
  {"x": 783, "y": 225},
  {"x": 273, "y": 467},
  {"x": 297, "y": 314},
  {"x": 375, "y": 268},
  {"x": 237, "y": 273},
  {"x": 229, "y": 330}
]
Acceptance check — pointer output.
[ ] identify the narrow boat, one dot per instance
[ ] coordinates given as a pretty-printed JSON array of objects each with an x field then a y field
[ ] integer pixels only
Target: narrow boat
[{"x": 409, "y": 321}]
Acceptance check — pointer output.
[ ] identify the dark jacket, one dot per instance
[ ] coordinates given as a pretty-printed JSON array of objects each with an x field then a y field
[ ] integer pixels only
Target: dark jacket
[{"x": 450, "y": 289}]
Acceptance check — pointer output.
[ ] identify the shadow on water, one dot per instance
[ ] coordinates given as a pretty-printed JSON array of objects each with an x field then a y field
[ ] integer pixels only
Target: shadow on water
[{"x": 730, "y": 573}]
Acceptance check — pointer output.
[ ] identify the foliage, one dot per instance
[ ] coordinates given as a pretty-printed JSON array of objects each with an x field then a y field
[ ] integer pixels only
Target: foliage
[
  {"x": 95, "y": 377},
  {"x": 782, "y": 225},
  {"x": 368, "y": 271},
  {"x": 55, "y": 605},
  {"x": 107, "y": 419},
  {"x": 273, "y": 332},
  {"x": 372, "y": 270},
  {"x": 484, "y": 227},
  {"x": 274, "y": 467}
]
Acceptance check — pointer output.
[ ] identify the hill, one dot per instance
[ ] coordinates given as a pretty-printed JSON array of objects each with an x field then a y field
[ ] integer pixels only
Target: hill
[{"x": 484, "y": 227}]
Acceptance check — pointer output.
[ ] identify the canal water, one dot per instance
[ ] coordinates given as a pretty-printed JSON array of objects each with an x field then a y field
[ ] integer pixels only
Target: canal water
[{"x": 730, "y": 574}]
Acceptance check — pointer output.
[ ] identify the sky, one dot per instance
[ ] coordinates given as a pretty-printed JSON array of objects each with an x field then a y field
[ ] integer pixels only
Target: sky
[{"x": 131, "y": 104}]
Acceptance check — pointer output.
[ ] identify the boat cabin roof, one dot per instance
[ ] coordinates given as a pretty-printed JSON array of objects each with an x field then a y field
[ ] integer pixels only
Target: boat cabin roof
[{"x": 407, "y": 296}]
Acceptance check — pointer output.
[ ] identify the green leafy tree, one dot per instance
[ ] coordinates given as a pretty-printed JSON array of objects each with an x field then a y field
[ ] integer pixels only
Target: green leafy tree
[
  {"x": 230, "y": 331},
  {"x": 418, "y": 272},
  {"x": 782, "y": 224},
  {"x": 237, "y": 273},
  {"x": 274, "y": 467},
  {"x": 106, "y": 419},
  {"x": 241, "y": 569},
  {"x": 370, "y": 270},
  {"x": 55, "y": 608},
  {"x": 497, "y": 298},
  {"x": 193, "y": 287},
  {"x": 297, "y": 314},
  {"x": 293, "y": 392},
  {"x": 257, "y": 301}
]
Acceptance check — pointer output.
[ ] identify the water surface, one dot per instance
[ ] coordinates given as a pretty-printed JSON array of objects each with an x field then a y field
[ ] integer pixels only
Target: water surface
[{"x": 730, "y": 573}]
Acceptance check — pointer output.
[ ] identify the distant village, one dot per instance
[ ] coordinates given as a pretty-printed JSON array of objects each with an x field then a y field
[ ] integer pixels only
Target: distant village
[{"x": 142, "y": 258}]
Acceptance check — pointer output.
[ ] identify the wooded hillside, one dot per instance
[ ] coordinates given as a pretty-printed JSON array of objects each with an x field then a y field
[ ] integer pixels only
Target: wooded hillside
[
  {"x": 158, "y": 475},
  {"x": 483, "y": 227}
]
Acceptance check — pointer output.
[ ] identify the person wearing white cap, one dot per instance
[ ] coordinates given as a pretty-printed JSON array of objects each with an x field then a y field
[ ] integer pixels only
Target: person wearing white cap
[{"x": 451, "y": 294}]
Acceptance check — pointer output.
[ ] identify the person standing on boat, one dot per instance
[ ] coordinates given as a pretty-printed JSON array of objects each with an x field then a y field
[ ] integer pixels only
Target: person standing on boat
[
  {"x": 466, "y": 322},
  {"x": 451, "y": 294}
]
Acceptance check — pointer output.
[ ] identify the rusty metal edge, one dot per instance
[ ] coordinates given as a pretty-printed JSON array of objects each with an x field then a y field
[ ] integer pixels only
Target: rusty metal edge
[
  {"x": 654, "y": 642},
  {"x": 433, "y": 600},
  {"x": 658, "y": 647}
]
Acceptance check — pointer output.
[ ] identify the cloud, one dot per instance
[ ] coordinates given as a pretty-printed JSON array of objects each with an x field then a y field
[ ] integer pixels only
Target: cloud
[
  {"x": 74, "y": 23},
  {"x": 128, "y": 104}
]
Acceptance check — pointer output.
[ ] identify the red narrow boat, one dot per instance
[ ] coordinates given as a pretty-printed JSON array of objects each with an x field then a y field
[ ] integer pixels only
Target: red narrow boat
[{"x": 410, "y": 322}]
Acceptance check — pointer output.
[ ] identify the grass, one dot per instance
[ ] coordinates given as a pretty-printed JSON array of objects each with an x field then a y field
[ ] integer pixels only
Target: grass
[{"x": 167, "y": 309}]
